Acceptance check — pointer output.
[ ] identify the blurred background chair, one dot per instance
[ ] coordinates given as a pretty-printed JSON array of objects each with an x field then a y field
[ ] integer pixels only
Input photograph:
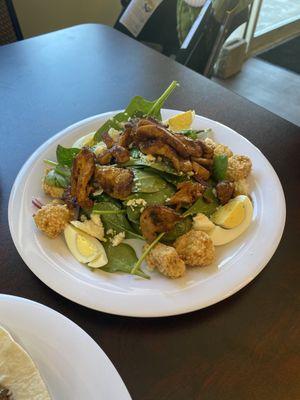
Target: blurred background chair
[
  {"x": 9, "y": 26},
  {"x": 193, "y": 31}
]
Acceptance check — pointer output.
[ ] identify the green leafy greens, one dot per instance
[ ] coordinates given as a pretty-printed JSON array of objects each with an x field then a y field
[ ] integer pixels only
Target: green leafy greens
[
  {"x": 122, "y": 258},
  {"x": 138, "y": 107},
  {"x": 219, "y": 167}
]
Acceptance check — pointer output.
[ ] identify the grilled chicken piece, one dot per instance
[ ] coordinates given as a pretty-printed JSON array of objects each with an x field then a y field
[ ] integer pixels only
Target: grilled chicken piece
[
  {"x": 126, "y": 138},
  {"x": 224, "y": 191},
  {"x": 150, "y": 132},
  {"x": 116, "y": 153},
  {"x": 82, "y": 170},
  {"x": 157, "y": 147},
  {"x": 117, "y": 182},
  {"x": 200, "y": 171},
  {"x": 208, "y": 162},
  {"x": 194, "y": 147},
  {"x": 188, "y": 193},
  {"x": 108, "y": 140},
  {"x": 157, "y": 219}
]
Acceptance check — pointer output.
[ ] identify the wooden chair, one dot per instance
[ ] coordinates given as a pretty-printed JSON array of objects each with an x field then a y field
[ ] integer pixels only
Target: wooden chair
[{"x": 9, "y": 26}]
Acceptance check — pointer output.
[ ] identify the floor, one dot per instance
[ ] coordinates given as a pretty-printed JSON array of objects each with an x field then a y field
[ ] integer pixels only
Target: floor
[
  {"x": 275, "y": 12},
  {"x": 270, "y": 86},
  {"x": 286, "y": 55}
]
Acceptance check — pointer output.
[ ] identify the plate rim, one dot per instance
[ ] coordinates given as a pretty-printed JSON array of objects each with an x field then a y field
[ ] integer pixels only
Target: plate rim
[
  {"x": 134, "y": 313},
  {"x": 9, "y": 298}
]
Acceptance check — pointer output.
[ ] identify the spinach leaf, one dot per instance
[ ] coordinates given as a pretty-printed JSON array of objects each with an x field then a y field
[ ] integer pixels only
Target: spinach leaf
[
  {"x": 58, "y": 176},
  {"x": 138, "y": 107},
  {"x": 219, "y": 168},
  {"x": 174, "y": 179},
  {"x": 179, "y": 229},
  {"x": 147, "y": 182},
  {"x": 121, "y": 258},
  {"x": 133, "y": 213},
  {"x": 190, "y": 133},
  {"x": 138, "y": 159},
  {"x": 65, "y": 156},
  {"x": 206, "y": 205},
  {"x": 117, "y": 222},
  {"x": 197, "y": 134}
]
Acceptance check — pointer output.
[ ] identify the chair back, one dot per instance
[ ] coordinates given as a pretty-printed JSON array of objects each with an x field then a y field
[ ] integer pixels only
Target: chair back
[{"x": 9, "y": 26}]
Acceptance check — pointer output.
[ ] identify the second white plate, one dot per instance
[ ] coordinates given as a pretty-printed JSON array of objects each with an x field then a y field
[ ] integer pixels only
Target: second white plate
[
  {"x": 236, "y": 265},
  {"x": 71, "y": 364}
]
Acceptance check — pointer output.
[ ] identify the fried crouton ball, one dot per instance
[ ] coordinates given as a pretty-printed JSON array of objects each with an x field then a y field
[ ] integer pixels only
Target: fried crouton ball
[
  {"x": 166, "y": 260},
  {"x": 222, "y": 149},
  {"x": 53, "y": 191},
  {"x": 52, "y": 218},
  {"x": 195, "y": 248},
  {"x": 241, "y": 187},
  {"x": 239, "y": 167}
]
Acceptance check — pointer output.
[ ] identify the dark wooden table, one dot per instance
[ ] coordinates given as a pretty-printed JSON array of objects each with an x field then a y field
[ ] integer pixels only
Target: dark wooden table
[{"x": 246, "y": 347}]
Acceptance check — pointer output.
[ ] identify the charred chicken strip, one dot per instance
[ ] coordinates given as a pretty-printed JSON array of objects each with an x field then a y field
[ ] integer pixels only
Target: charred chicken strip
[
  {"x": 194, "y": 147},
  {"x": 116, "y": 153},
  {"x": 82, "y": 171},
  {"x": 117, "y": 182},
  {"x": 108, "y": 140},
  {"x": 200, "y": 171},
  {"x": 188, "y": 193},
  {"x": 224, "y": 191},
  {"x": 159, "y": 148},
  {"x": 126, "y": 138},
  {"x": 157, "y": 219},
  {"x": 150, "y": 132},
  {"x": 203, "y": 161}
]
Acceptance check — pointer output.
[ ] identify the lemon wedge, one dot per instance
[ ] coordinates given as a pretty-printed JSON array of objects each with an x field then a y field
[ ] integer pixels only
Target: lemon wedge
[
  {"x": 181, "y": 121},
  {"x": 230, "y": 215}
]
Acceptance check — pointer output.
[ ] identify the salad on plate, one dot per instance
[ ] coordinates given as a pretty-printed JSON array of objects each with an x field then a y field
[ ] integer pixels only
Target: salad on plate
[{"x": 142, "y": 182}]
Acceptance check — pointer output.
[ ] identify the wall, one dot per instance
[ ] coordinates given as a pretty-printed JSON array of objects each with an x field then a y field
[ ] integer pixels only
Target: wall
[{"x": 41, "y": 16}]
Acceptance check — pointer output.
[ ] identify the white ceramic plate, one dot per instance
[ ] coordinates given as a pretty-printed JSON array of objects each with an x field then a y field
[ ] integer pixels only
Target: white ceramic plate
[
  {"x": 236, "y": 265},
  {"x": 71, "y": 364}
]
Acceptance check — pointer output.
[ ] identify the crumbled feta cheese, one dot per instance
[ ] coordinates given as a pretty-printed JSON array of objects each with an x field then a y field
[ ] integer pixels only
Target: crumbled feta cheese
[
  {"x": 214, "y": 192},
  {"x": 114, "y": 134},
  {"x": 117, "y": 239},
  {"x": 83, "y": 218},
  {"x": 190, "y": 173},
  {"x": 135, "y": 203},
  {"x": 99, "y": 148},
  {"x": 110, "y": 232}
]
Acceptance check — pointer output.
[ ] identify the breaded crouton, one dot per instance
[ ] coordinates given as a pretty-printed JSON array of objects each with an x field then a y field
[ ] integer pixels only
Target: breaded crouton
[
  {"x": 241, "y": 187},
  {"x": 222, "y": 149},
  {"x": 166, "y": 260},
  {"x": 52, "y": 218},
  {"x": 239, "y": 167},
  {"x": 53, "y": 191},
  {"x": 195, "y": 248}
]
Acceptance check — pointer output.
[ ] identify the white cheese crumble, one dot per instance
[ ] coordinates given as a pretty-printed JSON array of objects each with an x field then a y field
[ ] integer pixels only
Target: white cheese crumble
[
  {"x": 114, "y": 134},
  {"x": 99, "y": 148},
  {"x": 136, "y": 203},
  {"x": 117, "y": 239}
]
